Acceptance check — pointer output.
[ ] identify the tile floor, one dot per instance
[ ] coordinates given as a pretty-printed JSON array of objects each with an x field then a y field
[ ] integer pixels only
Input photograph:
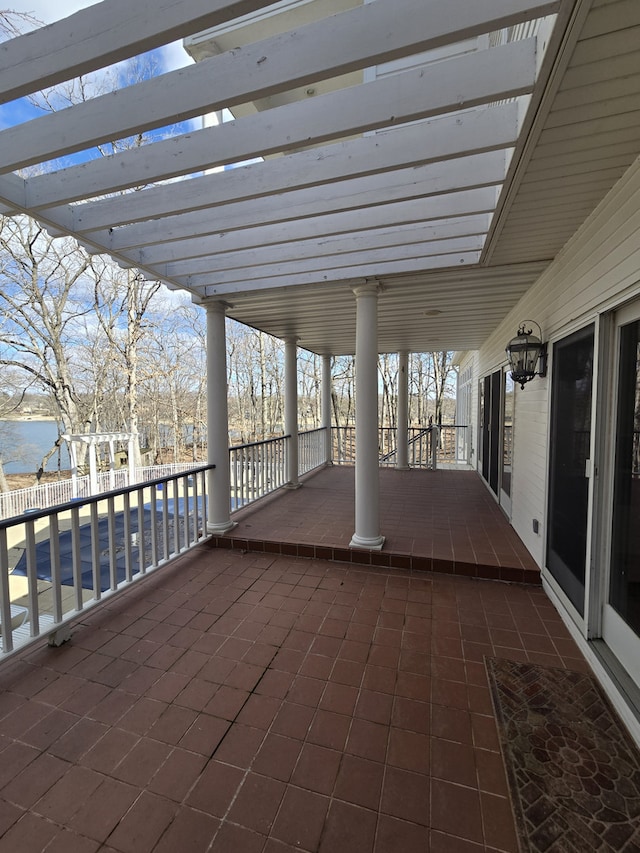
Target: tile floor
[
  {"x": 245, "y": 703},
  {"x": 442, "y": 521}
]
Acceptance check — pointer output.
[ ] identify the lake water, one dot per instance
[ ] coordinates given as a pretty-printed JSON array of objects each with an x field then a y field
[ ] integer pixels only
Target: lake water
[{"x": 24, "y": 443}]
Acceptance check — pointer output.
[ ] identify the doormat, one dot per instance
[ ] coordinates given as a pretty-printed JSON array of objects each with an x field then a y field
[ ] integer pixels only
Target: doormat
[{"x": 573, "y": 770}]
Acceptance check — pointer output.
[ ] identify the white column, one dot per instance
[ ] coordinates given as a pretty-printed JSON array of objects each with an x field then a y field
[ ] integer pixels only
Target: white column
[
  {"x": 131, "y": 462},
  {"x": 219, "y": 481},
  {"x": 93, "y": 468},
  {"x": 291, "y": 409},
  {"x": 367, "y": 532},
  {"x": 402, "y": 415},
  {"x": 326, "y": 407}
]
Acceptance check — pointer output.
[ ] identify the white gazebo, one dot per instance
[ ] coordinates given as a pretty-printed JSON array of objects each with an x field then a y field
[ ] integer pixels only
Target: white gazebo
[{"x": 92, "y": 441}]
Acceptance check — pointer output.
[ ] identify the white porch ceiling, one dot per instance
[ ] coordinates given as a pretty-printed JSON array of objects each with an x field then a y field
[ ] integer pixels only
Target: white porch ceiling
[{"x": 452, "y": 182}]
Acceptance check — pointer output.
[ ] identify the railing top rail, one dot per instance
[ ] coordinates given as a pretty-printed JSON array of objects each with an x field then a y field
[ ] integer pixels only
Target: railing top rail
[
  {"x": 258, "y": 443},
  {"x": 33, "y": 515}
]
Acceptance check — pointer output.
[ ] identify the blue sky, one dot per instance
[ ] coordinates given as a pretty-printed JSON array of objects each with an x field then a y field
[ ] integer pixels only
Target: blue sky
[{"x": 166, "y": 59}]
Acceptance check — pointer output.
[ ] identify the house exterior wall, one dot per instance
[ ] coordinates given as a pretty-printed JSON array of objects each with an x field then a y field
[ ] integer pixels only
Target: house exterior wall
[{"x": 596, "y": 272}]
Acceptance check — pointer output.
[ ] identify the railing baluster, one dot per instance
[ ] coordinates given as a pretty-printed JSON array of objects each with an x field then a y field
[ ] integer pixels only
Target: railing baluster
[
  {"x": 5, "y": 603},
  {"x": 185, "y": 513},
  {"x": 176, "y": 515},
  {"x": 165, "y": 523},
  {"x": 128, "y": 567},
  {"x": 95, "y": 552},
  {"x": 154, "y": 526},
  {"x": 111, "y": 522},
  {"x": 142, "y": 544},
  {"x": 32, "y": 577},
  {"x": 194, "y": 491},
  {"x": 76, "y": 558},
  {"x": 56, "y": 583}
]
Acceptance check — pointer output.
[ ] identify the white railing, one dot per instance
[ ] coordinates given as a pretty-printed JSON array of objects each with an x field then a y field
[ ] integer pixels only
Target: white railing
[
  {"x": 46, "y": 495},
  {"x": 257, "y": 469},
  {"x": 57, "y": 563},
  {"x": 428, "y": 446},
  {"x": 311, "y": 450}
]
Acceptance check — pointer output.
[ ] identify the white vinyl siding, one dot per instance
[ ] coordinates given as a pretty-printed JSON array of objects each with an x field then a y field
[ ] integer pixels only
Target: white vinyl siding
[{"x": 596, "y": 271}]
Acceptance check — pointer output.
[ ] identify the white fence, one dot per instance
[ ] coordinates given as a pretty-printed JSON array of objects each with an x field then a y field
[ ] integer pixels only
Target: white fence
[{"x": 45, "y": 495}]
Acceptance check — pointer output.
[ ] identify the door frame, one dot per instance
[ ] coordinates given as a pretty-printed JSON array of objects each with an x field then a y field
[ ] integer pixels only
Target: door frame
[{"x": 604, "y": 622}]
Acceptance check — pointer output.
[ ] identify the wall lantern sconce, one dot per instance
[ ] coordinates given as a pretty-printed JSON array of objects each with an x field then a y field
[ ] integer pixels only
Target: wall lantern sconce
[{"x": 526, "y": 352}]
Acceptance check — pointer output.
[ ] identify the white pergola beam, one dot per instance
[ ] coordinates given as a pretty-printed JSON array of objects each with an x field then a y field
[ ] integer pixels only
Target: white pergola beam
[
  {"x": 369, "y": 34},
  {"x": 347, "y": 275},
  {"x": 302, "y": 250},
  {"x": 455, "y": 84},
  {"x": 105, "y": 33},
  {"x": 418, "y": 251},
  {"x": 370, "y": 191},
  {"x": 454, "y": 205},
  {"x": 479, "y": 130}
]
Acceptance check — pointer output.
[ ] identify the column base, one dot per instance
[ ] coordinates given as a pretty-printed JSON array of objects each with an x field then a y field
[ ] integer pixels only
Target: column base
[
  {"x": 293, "y": 485},
  {"x": 403, "y": 468},
  {"x": 374, "y": 543},
  {"x": 218, "y": 529}
]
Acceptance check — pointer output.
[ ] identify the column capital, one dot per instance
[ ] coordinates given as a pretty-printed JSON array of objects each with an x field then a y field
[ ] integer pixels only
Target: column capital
[
  {"x": 368, "y": 287},
  {"x": 215, "y": 306}
]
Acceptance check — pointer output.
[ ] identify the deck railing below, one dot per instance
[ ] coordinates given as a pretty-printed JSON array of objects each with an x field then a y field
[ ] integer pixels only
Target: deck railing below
[{"x": 59, "y": 562}]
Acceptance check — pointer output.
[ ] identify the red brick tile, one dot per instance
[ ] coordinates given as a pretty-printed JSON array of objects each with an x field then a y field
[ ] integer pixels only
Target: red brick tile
[
  {"x": 454, "y": 762},
  {"x": 191, "y": 830},
  {"x": 142, "y": 762},
  {"x": 277, "y": 757},
  {"x": 442, "y": 842},
  {"x": 400, "y": 836},
  {"x": 217, "y": 670},
  {"x": 109, "y": 750},
  {"x": 9, "y": 814},
  {"x": 408, "y": 750},
  {"x": 349, "y": 829},
  {"x": 340, "y": 698},
  {"x": 142, "y": 826},
  {"x": 491, "y": 773},
  {"x": 301, "y": 818},
  {"x": 204, "y": 735},
  {"x": 78, "y": 740},
  {"x": 359, "y": 782},
  {"x": 452, "y": 724},
  {"x": 274, "y": 683},
  {"x": 259, "y": 711},
  {"x": 257, "y": 803},
  {"x": 329, "y": 729},
  {"x": 406, "y": 795},
  {"x": 306, "y": 691},
  {"x": 35, "y": 780},
  {"x": 317, "y": 768},
  {"x": 368, "y": 740},
  {"x": 114, "y": 705},
  {"x": 293, "y": 720},
  {"x": 168, "y": 686},
  {"x": 69, "y": 842},
  {"x": 172, "y": 724},
  {"x": 141, "y": 715},
  {"x": 240, "y": 745},
  {"x": 237, "y": 839},
  {"x": 101, "y": 812},
  {"x": 215, "y": 788},
  {"x": 64, "y": 799},
  {"x": 499, "y": 827},
  {"x": 456, "y": 810},
  {"x": 28, "y": 834}
]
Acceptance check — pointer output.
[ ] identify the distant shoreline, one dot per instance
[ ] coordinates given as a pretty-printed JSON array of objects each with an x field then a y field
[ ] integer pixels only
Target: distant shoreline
[{"x": 21, "y": 418}]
